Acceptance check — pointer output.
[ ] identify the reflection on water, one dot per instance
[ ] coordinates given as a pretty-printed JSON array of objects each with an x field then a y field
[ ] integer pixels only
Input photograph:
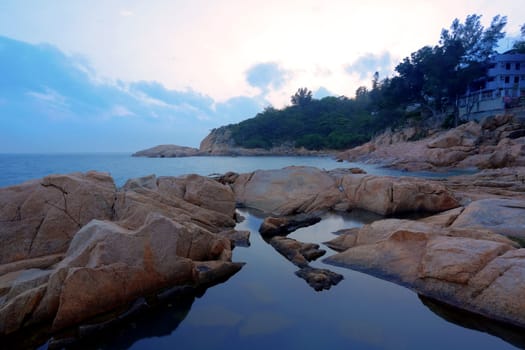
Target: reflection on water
[
  {"x": 509, "y": 333},
  {"x": 265, "y": 307}
]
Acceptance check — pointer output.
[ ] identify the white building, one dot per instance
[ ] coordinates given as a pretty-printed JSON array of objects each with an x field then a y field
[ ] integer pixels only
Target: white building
[{"x": 502, "y": 88}]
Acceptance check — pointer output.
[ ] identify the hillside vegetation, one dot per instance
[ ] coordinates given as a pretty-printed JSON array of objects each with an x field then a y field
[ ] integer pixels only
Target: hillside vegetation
[{"x": 426, "y": 86}]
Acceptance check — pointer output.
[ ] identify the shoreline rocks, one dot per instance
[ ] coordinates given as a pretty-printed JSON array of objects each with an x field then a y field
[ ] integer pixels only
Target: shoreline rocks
[
  {"x": 294, "y": 190},
  {"x": 74, "y": 247},
  {"x": 87, "y": 247},
  {"x": 495, "y": 142},
  {"x": 468, "y": 266},
  {"x": 168, "y": 151}
]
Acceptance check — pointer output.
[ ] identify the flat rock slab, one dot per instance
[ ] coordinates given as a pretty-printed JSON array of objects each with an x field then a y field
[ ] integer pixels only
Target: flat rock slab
[{"x": 503, "y": 216}]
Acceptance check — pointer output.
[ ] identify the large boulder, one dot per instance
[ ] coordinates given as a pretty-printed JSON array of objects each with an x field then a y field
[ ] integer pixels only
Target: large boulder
[
  {"x": 295, "y": 190},
  {"x": 40, "y": 217},
  {"x": 115, "y": 246},
  {"x": 287, "y": 191},
  {"x": 176, "y": 198},
  {"x": 388, "y": 195},
  {"x": 466, "y": 135},
  {"x": 481, "y": 272},
  {"x": 108, "y": 266}
]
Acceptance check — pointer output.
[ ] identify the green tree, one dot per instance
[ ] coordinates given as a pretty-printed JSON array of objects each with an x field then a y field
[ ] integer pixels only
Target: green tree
[
  {"x": 519, "y": 45},
  {"x": 302, "y": 97}
]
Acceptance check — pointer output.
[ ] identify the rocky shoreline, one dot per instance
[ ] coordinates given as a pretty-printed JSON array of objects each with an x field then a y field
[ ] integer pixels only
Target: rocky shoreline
[
  {"x": 493, "y": 143},
  {"x": 75, "y": 249}
]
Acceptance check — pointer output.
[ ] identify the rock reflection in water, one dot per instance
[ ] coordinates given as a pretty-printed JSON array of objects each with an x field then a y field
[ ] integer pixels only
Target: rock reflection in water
[
  {"x": 273, "y": 230},
  {"x": 509, "y": 333}
]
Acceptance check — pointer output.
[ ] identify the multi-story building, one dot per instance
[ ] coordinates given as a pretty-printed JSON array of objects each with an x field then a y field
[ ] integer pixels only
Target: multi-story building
[{"x": 502, "y": 88}]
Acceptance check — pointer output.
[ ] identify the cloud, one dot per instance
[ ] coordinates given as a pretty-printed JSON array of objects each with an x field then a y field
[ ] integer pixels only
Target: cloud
[
  {"x": 366, "y": 65},
  {"x": 266, "y": 76},
  {"x": 121, "y": 111},
  {"x": 158, "y": 92},
  {"x": 239, "y": 108},
  {"x": 126, "y": 13},
  {"x": 51, "y": 102}
]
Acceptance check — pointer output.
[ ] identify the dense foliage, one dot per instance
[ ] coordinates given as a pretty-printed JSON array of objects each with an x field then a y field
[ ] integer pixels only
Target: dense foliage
[
  {"x": 429, "y": 81},
  {"x": 331, "y": 122}
]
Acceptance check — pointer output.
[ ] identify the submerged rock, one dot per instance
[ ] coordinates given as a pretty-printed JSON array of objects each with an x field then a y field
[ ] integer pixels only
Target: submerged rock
[{"x": 319, "y": 279}]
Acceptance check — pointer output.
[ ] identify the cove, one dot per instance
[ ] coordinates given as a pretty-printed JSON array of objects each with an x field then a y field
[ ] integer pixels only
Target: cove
[{"x": 266, "y": 305}]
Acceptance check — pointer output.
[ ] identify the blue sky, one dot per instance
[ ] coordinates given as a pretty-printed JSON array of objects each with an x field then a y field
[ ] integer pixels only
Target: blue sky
[{"x": 92, "y": 76}]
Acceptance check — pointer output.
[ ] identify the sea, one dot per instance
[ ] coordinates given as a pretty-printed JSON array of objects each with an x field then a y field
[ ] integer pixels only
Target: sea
[{"x": 265, "y": 305}]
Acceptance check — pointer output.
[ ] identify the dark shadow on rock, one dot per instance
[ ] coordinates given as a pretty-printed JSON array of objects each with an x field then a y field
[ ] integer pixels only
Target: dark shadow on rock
[
  {"x": 507, "y": 332},
  {"x": 156, "y": 315}
]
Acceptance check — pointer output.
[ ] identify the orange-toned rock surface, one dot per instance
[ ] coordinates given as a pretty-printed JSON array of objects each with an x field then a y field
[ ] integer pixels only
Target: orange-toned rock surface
[{"x": 74, "y": 247}]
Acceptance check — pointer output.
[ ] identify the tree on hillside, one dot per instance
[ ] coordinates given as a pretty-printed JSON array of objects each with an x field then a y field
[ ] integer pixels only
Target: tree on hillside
[
  {"x": 520, "y": 44},
  {"x": 302, "y": 97},
  {"x": 437, "y": 76}
]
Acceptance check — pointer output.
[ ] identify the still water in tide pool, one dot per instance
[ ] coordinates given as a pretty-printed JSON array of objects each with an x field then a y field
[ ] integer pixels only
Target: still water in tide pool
[{"x": 265, "y": 305}]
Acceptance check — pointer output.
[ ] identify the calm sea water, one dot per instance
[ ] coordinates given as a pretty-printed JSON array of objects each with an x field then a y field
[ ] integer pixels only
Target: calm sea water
[
  {"x": 16, "y": 168},
  {"x": 265, "y": 306}
]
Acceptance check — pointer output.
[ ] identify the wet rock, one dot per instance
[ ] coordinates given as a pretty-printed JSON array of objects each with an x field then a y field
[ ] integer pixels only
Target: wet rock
[
  {"x": 319, "y": 279},
  {"x": 298, "y": 253},
  {"x": 238, "y": 238},
  {"x": 281, "y": 226}
]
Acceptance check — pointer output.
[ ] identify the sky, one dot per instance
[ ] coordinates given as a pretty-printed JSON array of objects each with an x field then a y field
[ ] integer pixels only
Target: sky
[{"x": 120, "y": 76}]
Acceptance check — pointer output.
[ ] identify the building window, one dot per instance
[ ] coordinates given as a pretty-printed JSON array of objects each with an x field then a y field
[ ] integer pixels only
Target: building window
[
  {"x": 523, "y": 77},
  {"x": 507, "y": 79},
  {"x": 516, "y": 79},
  {"x": 507, "y": 66},
  {"x": 518, "y": 66}
]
